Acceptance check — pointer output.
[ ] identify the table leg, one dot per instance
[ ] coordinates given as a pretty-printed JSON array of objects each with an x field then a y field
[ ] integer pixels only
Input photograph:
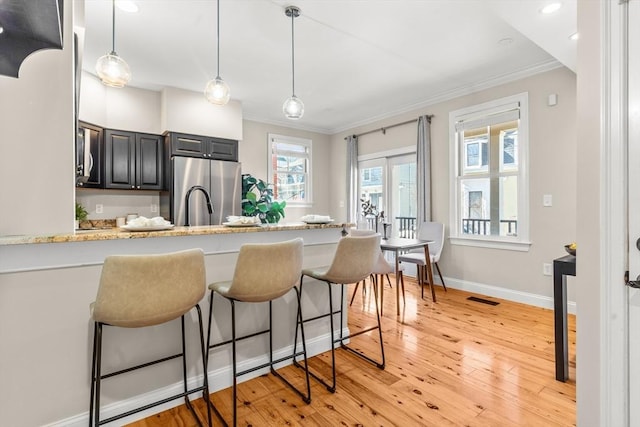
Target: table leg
[
  {"x": 560, "y": 324},
  {"x": 397, "y": 283},
  {"x": 380, "y": 286},
  {"x": 427, "y": 259}
]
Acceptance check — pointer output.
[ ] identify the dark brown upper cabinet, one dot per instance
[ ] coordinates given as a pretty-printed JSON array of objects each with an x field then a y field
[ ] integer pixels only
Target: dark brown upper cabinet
[
  {"x": 181, "y": 144},
  {"x": 133, "y": 160}
]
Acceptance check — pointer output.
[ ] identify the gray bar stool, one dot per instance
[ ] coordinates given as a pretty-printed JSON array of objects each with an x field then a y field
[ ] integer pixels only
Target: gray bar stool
[
  {"x": 145, "y": 290},
  {"x": 263, "y": 272},
  {"x": 353, "y": 261}
]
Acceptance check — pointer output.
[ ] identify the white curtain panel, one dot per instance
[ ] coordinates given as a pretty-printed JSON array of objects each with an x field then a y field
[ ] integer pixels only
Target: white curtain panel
[
  {"x": 423, "y": 169},
  {"x": 352, "y": 179}
]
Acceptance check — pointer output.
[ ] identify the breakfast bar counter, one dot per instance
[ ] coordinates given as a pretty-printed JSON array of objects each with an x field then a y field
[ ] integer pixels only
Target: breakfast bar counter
[
  {"x": 48, "y": 282},
  {"x": 86, "y": 235}
]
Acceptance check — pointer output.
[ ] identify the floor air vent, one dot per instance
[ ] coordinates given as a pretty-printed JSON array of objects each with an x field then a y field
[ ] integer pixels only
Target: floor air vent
[{"x": 482, "y": 300}]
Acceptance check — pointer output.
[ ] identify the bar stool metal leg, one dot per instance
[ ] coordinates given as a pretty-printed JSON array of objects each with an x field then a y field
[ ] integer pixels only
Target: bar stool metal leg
[
  {"x": 243, "y": 289},
  {"x": 381, "y": 364},
  {"x": 139, "y": 278}
]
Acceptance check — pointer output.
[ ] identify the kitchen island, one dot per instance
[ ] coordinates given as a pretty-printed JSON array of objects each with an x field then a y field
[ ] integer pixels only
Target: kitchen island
[{"x": 48, "y": 282}]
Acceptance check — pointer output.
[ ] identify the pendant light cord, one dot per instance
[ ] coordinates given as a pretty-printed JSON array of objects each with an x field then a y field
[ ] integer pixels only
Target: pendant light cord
[
  {"x": 218, "y": 36},
  {"x": 113, "y": 26},
  {"x": 293, "y": 66}
]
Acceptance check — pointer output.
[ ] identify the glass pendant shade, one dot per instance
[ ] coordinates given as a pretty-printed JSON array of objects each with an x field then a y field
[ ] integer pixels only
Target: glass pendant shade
[
  {"x": 217, "y": 91},
  {"x": 293, "y": 108},
  {"x": 113, "y": 70}
]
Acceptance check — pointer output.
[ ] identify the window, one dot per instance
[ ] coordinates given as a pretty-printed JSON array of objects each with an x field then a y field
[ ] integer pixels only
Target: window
[
  {"x": 290, "y": 169},
  {"x": 489, "y": 177}
]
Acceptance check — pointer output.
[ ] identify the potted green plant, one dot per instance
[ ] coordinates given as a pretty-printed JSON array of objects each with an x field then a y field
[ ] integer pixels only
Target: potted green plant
[
  {"x": 81, "y": 214},
  {"x": 257, "y": 200}
]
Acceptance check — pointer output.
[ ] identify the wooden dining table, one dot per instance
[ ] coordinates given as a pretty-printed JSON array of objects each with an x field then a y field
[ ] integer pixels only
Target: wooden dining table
[{"x": 401, "y": 244}]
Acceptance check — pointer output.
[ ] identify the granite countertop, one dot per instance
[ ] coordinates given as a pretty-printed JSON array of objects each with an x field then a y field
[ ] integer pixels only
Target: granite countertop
[{"x": 85, "y": 235}]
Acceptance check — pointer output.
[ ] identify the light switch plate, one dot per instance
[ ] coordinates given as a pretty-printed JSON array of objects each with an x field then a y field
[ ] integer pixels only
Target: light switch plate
[
  {"x": 546, "y": 269},
  {"x": 547, "y": 200}
]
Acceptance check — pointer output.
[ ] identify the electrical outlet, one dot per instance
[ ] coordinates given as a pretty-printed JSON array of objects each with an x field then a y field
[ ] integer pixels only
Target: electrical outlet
[
  {"x": 546, "y": 269},
  {"x": 154, "y": 207},
  {"x": 99, "y": 208}
]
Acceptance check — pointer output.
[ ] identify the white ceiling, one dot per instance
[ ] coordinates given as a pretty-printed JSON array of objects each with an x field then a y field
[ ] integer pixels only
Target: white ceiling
[{"x": 356, "y": 61}]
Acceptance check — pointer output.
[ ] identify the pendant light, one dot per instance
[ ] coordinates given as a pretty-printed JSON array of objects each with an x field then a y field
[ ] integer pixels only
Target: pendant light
[
  {"x": 293, "y": 107},
  {"x": 113, "y": 70},
  {"x": 217, "y": 91}
]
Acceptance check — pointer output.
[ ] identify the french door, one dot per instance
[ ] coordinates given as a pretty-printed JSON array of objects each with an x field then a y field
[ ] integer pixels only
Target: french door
[
  {"x": 633, "y": 111},
  {"x": 389, "y": 183}
]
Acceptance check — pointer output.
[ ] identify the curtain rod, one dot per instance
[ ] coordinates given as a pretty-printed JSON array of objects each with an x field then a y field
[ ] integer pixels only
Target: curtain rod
[{"x": 384, "y": 129}]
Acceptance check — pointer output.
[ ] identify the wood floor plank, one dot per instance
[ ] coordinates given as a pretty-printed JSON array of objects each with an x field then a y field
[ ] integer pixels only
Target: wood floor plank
[{"x": 455, "y": 362}]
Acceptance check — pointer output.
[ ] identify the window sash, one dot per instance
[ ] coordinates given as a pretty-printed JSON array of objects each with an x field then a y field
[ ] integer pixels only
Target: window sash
[
  {"x": 493, "y": 113},
  {"x": 293, "y": 150}
]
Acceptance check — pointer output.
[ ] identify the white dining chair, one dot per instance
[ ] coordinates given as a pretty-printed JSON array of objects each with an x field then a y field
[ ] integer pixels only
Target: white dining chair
[
  {"x": 428, "y": 230},
  {"x": 381, "y": 269}
]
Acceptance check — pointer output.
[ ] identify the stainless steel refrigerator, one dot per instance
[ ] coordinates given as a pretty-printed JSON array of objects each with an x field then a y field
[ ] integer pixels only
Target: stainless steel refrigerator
[{"x": 220, "y": 180}]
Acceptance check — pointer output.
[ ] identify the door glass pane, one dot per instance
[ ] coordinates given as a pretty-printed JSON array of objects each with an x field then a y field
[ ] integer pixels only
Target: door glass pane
[
  {"x": 371, "y": 185},
  {"x": 371, "y": 189},
  {"x": 402, "y": 214}
]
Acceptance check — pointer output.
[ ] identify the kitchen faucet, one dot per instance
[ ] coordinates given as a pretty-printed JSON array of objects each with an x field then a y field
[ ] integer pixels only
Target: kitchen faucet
[{"x": 186, "y": 202}]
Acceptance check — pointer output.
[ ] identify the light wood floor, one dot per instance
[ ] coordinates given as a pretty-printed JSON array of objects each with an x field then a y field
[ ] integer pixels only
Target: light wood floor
[{"x": 453, "y": 363}]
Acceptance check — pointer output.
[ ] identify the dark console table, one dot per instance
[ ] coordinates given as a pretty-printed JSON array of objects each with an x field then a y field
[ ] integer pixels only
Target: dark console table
[{"x": 562, "y": 267}]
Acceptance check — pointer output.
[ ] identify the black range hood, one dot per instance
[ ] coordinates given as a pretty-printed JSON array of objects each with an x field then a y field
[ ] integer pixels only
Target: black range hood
[{"x": 29, "y": 25}]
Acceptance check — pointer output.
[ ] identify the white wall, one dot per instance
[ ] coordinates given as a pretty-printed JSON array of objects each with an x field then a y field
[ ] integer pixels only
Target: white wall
[
  {"x": 552, "y": 142},
  {"x": 189, "y": 112},
  {"x": 127, "y": 108},
  {"x": 36, "y": 142},
  {"x": 253, "y": 156},
  {"x": 117, "y": 203}
]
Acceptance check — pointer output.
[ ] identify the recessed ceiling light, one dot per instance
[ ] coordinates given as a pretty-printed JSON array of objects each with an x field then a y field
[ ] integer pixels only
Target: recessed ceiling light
[
  {"x": 127, "y": 6},
  {"x": 505, "y": 41},
  {"x": 550, "y": 8},
  {"x": 1, "y": 29},
  {"x": 574, "y": 36}
]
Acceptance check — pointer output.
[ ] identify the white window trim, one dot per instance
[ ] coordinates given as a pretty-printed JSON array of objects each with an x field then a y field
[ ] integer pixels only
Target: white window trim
[
  {"x": 297, "y": 141},
  {"x": 521, "y": 242}
]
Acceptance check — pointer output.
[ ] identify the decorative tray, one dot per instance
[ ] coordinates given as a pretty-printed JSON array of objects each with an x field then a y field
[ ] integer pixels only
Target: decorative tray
[
  {"x": 241, "y": 224},
  {"x": 317, "y": 221},
  {"x": 147, "y": 227}
]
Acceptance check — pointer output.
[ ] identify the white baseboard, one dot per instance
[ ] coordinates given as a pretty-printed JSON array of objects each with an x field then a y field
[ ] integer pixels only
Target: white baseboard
[
  {"x": 504, "y": 293},
  {"x": 218, "y": 379}
]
